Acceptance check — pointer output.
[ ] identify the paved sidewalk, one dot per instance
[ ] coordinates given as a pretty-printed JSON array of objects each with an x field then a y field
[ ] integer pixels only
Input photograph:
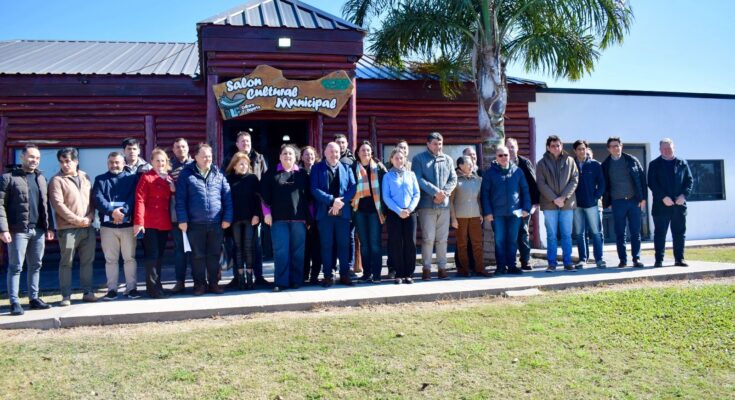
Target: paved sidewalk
[{"x": 190, "y": 307}]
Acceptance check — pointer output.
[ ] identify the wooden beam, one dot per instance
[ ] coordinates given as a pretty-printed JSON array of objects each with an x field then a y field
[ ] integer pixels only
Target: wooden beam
[
  {"x": 214, "y": 121},
  {"x": 150, "y": 135},
  {"x": 373, "y": 126},
  {"x": 4, "y": 122},
  {"x": 352, "y": 117},
  {"x": 320, "y": 133}
]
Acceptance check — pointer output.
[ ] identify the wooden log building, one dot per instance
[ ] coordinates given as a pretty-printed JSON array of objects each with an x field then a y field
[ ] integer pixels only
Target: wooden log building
[{"x": 91, "y": 94}]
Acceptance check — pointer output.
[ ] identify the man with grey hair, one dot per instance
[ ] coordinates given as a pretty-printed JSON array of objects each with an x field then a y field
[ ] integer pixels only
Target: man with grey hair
[
  {"x": 529, "y": 171},
  {"x": 114, "y": 197},
  {"x": 437, "y": 179},
  {"x": 670, "y": 181}
]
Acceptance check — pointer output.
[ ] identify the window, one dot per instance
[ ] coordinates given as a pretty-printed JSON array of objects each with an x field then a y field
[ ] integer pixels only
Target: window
[
  {"x": 709, "y": 180},
  {"x": 452, "y": 150},
  {"x": 93, "y": 161}
]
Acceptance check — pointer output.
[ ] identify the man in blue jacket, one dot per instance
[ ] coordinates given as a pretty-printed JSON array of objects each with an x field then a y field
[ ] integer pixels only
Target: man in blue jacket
[
  {"x": 626, "y": 193},
  {"x": 204, "y": 211},
  {"x": 333, "y": 187},
  {"x": 114, "y": 198},
  {"x": 670, "y": 180},
  {"x": 588, "y": 214}
]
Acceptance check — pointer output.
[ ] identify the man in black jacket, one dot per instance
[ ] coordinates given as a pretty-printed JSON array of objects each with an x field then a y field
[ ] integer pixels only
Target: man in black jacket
[
  {"x": 529, "y": 171},
  {"x": 25, "y": 225},
  {"x": 626, "y": 193},
  {"x": 670, "y": 180}
]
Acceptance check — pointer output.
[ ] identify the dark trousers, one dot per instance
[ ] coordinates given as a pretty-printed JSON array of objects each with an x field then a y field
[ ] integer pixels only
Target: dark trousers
[
  {"x": 627, "y": 212},
  {"x": 335, "y": 240},
  {"x": 402, "y": 243},
  {"x": 506, "y": 230},
  {"x": 242, "y": 235},
  {"x": 676, "y": 217},
  {"x": 206, "y": 245},
  {"x": 258, "y": 250},
  {"x": 312, "y": 254},
  {"x": 368, "y": 230},
  {"x": 523, "y": 242},
  {"x": 154, "y": 244},
  {"x": 181, "y": 259}
]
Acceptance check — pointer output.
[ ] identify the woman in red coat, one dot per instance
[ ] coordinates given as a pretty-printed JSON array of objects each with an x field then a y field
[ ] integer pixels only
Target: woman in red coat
[{"x": 153, "y": 218}]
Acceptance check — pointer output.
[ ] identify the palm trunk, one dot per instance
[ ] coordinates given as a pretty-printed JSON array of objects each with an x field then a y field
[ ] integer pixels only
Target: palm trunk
[
  {"x": 490, "y": 86},
  {"x": 492, "y": 98}
]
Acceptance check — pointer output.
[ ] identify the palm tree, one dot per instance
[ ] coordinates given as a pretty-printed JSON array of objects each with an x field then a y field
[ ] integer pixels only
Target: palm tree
[{"x": 478, "y": 38}]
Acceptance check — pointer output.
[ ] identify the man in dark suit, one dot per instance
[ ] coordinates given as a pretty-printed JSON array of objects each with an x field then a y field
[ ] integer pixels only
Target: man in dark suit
[
  {"x": 333, "y": 186},
  {"x": 670, "y": 180}
]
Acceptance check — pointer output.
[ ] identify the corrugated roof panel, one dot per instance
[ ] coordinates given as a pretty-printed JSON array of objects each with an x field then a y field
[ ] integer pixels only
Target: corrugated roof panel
[
  {"x": 280, "y": 14},
  {"x": 117, "y": 58}
]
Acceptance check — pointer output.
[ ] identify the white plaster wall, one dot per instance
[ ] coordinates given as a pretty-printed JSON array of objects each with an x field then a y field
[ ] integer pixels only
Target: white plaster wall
[{"x": 701, "y": 128}]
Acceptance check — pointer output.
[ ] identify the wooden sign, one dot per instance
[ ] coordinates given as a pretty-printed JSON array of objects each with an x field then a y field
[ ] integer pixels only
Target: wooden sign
[{"x": 267, "y": 89}]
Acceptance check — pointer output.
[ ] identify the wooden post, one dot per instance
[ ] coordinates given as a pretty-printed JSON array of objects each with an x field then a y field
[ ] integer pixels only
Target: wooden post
[
  {"x": 214, "y": 122},
  {"x": 535, "y": 237},
  {"x": 150, "y": 136},
  {"x": 319, "y": 144},
  {"x": 3, "y": 151},
  {"x": 3, "y": 138},
  {"x": 352, "y": 117},
  {"x": 374, "y": 138}
]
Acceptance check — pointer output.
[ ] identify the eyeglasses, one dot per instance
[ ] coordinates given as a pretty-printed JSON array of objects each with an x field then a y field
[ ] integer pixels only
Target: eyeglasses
[{"x": 501, "y": 155}]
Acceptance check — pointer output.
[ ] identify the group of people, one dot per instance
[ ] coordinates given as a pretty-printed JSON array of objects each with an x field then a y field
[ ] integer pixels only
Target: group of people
[{"x": 318, "y": 209}]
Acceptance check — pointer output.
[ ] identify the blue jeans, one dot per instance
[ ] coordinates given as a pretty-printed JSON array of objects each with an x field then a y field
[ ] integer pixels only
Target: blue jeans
[
  {"x": 558, "y": 222},
  {"x": 588, "y": 219},
  {"x": 180, "y": 258},
  {"x": 506, "y": 243},
  {"x": 288, "y": 252},
  {"x": 25, "y": 246},
  {"x": 627, "y": 212},
  {"x": 335, "y": 232},
  {"x": 368, "y": 230}
]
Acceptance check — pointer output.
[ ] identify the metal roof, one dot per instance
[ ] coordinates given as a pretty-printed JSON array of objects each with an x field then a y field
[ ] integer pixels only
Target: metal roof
[
  {"x": 279, "y": 14},
  {"x": 368, "y": 68},
  {"x": 102, "y": 58},
  {"x": 150, "y": 58}
]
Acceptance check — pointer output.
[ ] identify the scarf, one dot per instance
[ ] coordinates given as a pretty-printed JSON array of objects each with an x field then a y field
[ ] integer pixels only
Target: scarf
[{"x": 363, "y": 187}]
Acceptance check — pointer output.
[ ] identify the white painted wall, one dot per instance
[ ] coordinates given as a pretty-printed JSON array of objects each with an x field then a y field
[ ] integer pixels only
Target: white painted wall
[{"x": 701, "y": 128}]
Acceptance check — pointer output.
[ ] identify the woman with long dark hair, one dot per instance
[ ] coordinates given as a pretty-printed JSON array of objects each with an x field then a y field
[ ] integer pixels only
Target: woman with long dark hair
[
  {"x": 312, "y": 247},
  {"x": 368, "y": 212},
  {"x": 245, "y": 191}
]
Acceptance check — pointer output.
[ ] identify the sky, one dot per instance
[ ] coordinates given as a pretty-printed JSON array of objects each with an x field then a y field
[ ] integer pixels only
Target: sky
[{"x": 673, "y": 45}]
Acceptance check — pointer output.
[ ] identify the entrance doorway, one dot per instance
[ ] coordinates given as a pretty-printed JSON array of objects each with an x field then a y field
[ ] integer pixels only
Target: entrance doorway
[{"x": 267, "y": 136}]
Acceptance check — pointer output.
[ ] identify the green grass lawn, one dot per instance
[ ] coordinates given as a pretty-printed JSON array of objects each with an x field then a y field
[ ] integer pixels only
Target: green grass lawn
[
  {"x": 671, "y": 342},
  {"x": 724, "y": 254}
]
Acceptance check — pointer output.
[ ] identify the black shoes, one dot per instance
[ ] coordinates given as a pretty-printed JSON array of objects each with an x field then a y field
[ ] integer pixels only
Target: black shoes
[
  {"x": 327, "y": 282},
  {"x": 16, "y": 309},
  {"x": 38, "y": 304},
  {"x": 515, "y": 271},
  {"x": 111, "y": 295},
  {"x": 570, "y": 268},
  {"x": 658, "y": 264},
  {"x": 133, "y": 294},
  {"x": 622, "y": 264},
  {"x": 346, "y": 280},
  {"x": 550, "y": 268},
  {"x": 638, "y": 264},
  {"x": 681, "y": 263}
]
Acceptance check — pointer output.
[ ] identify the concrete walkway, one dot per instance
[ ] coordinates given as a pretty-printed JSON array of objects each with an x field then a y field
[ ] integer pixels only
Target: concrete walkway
[{"x": 184, "y": 307}]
